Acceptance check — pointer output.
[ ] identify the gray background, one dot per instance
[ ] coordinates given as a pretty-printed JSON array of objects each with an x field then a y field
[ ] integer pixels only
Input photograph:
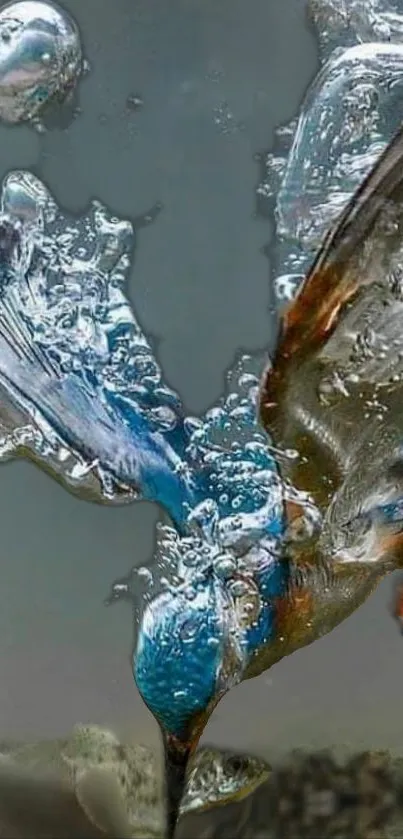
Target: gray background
[{"x": 216, "y": 77}]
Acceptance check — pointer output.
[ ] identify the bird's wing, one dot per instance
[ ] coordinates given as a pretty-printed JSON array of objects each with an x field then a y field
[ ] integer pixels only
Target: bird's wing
[{"x": 334, "y": 391}]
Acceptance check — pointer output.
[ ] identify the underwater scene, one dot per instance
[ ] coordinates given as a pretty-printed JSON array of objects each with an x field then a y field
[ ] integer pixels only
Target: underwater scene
[{"x": 201, "y": 356}]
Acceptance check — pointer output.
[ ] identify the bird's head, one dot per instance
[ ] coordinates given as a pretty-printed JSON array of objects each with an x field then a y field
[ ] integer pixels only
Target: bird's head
[
  {"x": 187, "y": 656},
  {"x": 196, "y": 638}
]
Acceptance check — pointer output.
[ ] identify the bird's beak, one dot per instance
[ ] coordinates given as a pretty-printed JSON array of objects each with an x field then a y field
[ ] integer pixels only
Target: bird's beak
[{"x": 177, "y": 753}]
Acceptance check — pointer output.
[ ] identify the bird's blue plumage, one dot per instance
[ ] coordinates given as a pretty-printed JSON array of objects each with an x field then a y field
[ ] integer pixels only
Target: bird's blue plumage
[
  {"x": 179, "y": 653},
  {"x": 216, "y": 477},
  {"x": 272, "y": 573},
  {"x": 192, "y": 645}
]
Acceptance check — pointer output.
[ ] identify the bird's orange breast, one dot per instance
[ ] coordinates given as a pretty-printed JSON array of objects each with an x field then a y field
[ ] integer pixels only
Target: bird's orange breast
[{"x": 294, "y": 614}]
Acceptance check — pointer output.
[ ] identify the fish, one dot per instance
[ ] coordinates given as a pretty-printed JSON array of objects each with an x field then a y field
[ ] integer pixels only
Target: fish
[{"x": 117, "y": 782}]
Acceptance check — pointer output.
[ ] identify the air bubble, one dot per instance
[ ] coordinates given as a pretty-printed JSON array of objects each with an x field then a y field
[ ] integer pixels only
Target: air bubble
[
  {"x": 225, "y": 566},
  {"x": 40, "y": 58},
  {"x": 178, "y": 695},
  {"x": 145, "y": 574}
]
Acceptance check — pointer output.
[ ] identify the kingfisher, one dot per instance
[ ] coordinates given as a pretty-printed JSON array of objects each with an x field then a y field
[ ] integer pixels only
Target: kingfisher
[
  {"x": 257, "y": 579},
  {"x": 333, "y": 394}
]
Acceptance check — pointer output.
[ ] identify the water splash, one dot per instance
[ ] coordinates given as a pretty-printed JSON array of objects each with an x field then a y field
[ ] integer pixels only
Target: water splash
[
  {"x": 348, "y": 22},
  {"x": 40, "y": 58},
  {"x": 350, "y": 112},
  {"x": 81, "y": 390},
  {"x": 230, "y": 558},
  {"x": 83, "y": 395}
]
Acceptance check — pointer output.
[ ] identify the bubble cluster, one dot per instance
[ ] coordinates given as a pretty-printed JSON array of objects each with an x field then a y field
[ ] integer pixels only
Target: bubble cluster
[
  {"x": 81, "y": 390},
  {"x": 236, "y": 457},
  {"x": 231, "y": 547},
  {"x": 40, "y": 58}
]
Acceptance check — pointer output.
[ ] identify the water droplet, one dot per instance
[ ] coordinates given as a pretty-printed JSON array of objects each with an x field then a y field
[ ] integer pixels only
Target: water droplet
[
  {"x": 225, "y": 566},
  {"x": 134, "y": 102},
  {"x": 180, "y": 694},
  {"x": 238, "y": 588},
  {"x": 286, "y": 286},
  {"x": 120, "y": 590},
  {"x": 27, "y": 83},
  {"x": 188, "y": 632},
  {"x": 192, "y": 424},
  {"x": 163, "y": 417},
  {"x": 145, "y": 574}
]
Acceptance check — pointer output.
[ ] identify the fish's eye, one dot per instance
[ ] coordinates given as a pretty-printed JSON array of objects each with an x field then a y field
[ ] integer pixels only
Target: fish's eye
[{"x": 236, "y": 763}]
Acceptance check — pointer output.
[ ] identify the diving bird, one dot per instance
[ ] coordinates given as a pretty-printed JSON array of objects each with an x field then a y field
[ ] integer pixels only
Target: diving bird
[
  {"x": 332, "y": 394},
  {"x": 276, "y": 538}
]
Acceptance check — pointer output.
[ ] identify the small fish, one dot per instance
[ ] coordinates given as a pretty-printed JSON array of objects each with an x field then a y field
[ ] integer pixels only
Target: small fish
[{"x": 119, "y": 785}]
